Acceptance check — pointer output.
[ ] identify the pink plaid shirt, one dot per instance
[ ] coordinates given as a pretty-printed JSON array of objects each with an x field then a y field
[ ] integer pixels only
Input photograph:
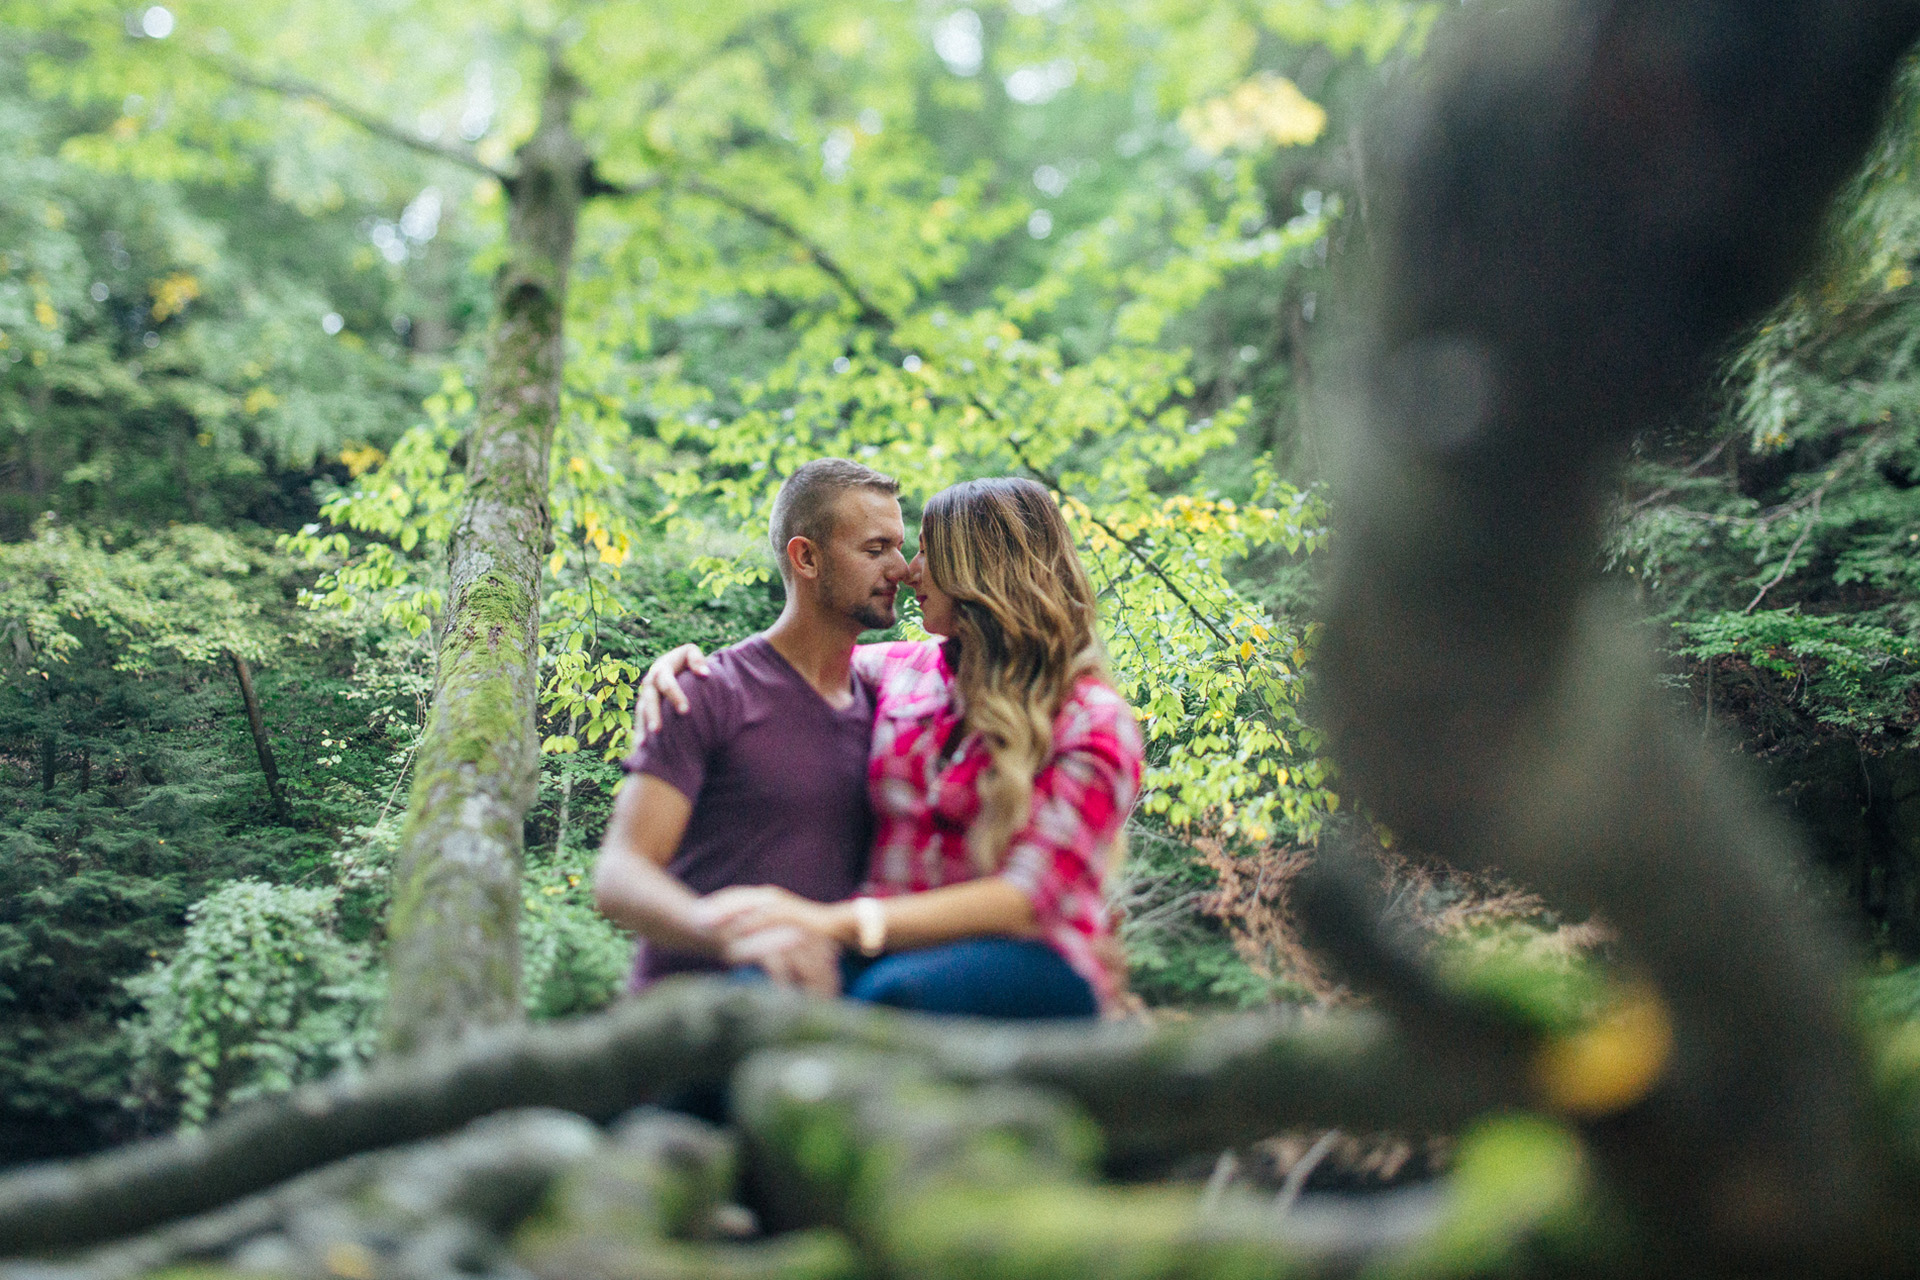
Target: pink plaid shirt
[{"x": 923, "y": 805}]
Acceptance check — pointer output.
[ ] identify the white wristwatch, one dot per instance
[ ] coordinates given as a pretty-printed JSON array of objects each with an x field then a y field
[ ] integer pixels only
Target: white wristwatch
[{"x": 870, "y": 922}]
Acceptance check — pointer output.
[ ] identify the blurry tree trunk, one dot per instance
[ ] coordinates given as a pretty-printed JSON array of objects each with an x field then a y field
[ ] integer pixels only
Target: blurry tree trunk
[
  {"x": 454, "y": 927},
  {"x": 243, "y": 675}
]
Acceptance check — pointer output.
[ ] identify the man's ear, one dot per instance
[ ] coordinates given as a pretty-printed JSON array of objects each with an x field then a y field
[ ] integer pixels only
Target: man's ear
[{"x": 804, "y": 557}]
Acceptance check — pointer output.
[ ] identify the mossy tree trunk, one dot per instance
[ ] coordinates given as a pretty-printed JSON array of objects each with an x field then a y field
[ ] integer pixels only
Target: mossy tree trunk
[{"x": 454, "y": 928}]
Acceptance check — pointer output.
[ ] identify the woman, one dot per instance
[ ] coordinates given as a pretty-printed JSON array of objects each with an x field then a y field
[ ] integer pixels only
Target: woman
[{"x": 1002, "y": 769}]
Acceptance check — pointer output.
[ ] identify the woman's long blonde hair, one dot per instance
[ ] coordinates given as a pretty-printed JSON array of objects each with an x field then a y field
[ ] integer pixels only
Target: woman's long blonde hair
[{"x": 1023, "y": 635}]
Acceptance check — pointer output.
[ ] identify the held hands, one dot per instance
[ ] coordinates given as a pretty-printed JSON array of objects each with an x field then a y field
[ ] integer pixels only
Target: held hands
[
  {"x": 788, "y": 936},
  {"x": 662, "y": 684}
]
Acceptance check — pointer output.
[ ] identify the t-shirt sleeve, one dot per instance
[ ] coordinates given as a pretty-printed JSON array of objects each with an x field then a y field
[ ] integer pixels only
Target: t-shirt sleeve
[{"x": 678, "y": 752}]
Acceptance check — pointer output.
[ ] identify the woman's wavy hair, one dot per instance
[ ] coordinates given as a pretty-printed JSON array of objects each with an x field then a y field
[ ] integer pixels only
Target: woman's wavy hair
[{"x": 1023, "y": 635}]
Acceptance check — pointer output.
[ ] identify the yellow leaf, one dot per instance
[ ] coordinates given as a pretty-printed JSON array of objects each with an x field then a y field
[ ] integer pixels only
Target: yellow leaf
[
  {"x": 171, "y": 294},
  {"x": 360, "y": 458},
  {"x": 1612, "y": 1064},
  {"x": 351, "y": 1260},
  {"x": 577, "y": 465},
  {"x": 1899, "y": 278},
  {"x": 43, "y": 312},
  {"x": 1266, "y": 109},
  {"x": 1246, "y": 650}
]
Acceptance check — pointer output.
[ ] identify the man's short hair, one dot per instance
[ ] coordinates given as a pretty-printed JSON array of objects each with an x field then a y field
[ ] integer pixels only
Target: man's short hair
[{"x": 804, "y": 506}]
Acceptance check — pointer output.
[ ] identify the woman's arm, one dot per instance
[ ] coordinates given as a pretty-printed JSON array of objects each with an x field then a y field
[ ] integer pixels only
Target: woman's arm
[
  {"x": 661, "y": 684},
  {"x": 987, "y": 906},
  {"x": 978, "y": 908}
]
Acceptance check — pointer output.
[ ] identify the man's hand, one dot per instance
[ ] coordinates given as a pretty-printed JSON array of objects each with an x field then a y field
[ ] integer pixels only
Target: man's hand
[
  {"x": 744, "y": 909},
  {"x": 791, "y": 956},
  {"x": 662, "y": 683},
  {"x": 789, "y": 936}
]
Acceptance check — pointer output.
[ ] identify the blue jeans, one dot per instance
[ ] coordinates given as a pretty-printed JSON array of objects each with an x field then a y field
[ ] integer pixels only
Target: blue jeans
[{"x": 985, "y": 977}]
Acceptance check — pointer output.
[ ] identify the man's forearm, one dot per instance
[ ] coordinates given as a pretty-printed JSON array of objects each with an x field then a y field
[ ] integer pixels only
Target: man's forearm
[
  {"x": 637, "y": 895},
  {"x": 631, "y": 885}
]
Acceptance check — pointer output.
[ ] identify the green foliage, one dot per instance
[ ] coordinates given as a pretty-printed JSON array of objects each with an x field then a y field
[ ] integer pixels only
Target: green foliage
[
  {"x": 1177, "y": 953},
  {"x": 849, "y": 237},
  {"x": 261, "y": 995},
  {"x": 1521, "y": 969},
  {"x": 1844, "y": 674},
  {"x": 1773, "y": 535},
  {"x": 1780, "y": 541},
  {"x": 125, "y": 797},
  {"x": 163, "y": 354},
  {"x": 1892, "y": 998},
  {"x": 184, "y": 592},
  {"x": 575, "y": 960}
]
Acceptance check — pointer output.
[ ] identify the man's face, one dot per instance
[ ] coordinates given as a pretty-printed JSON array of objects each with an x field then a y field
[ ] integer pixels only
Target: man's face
[{"x": 861, "y": 564}]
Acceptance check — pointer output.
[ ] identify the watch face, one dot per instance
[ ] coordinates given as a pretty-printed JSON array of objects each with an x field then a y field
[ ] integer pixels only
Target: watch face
[{"x": 870, "y": 918}]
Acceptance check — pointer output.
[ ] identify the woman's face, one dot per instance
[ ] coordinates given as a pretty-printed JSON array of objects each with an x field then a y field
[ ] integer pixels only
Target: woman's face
[{"x": 936, "y": 606}]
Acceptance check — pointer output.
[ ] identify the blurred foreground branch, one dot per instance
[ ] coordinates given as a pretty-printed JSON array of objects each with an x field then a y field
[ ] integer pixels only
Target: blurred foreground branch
[
  {"x": 1156, "y": 1092},
  {"x": 1580, "y": 205}
]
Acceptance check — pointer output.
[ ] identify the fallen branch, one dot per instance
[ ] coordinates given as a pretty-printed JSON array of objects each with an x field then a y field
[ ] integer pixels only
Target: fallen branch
[{"x": 1155, "y": 1091}]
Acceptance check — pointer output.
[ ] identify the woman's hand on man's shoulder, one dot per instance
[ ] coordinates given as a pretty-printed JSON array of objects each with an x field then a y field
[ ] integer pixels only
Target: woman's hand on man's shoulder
[{"x": 661, "y": 684}]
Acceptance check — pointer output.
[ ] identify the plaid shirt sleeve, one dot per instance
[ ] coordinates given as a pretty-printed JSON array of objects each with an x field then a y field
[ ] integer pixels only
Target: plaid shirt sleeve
[{"x": 1081, "y": 798}]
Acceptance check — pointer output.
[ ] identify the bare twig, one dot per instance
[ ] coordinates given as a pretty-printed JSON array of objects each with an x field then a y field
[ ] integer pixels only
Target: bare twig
[
  {"x": 1813, "y": 518},
  {"x": 1297, "y": 1176},
  {"x": 1225, "y": 1169},
  {"x": 870, "y": 312},
  {"x": 1786, "y": 566},
  {"x": 1705, "y": 460}
]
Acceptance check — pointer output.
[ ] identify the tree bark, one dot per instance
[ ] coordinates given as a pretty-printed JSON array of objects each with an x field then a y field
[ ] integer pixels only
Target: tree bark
[
  {"x": 454, "y": 927},
  {"x": 243, "y": 675},
  {"x": 1481, "y": 695},
  {"x": 1155, "y": 1091}
]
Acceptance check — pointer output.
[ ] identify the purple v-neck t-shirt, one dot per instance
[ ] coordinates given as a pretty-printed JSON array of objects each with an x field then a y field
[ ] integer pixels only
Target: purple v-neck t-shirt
[{"x": 778, "y": 781}]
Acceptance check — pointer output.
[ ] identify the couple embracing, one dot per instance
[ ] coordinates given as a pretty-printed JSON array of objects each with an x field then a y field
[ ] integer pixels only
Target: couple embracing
[{"x": 923, "y": 824}]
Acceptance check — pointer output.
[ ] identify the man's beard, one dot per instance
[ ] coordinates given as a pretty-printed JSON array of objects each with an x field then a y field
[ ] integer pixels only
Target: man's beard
[
  {"x": 872, "y": 612},
  {"x": 873, "y": 615}
]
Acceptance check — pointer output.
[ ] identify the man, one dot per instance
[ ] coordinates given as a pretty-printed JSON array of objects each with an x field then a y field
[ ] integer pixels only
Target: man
[{"x": 764, "y": 780}]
